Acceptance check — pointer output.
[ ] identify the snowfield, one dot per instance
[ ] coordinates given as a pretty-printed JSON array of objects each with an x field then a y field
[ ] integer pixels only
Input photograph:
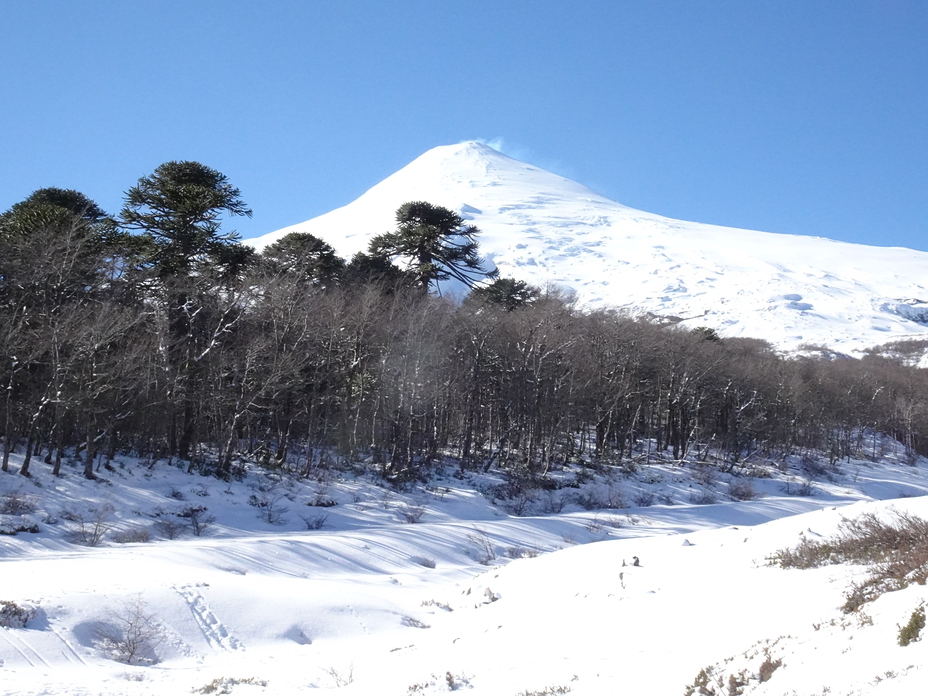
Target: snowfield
[
  {"x": 541, "y": 228},
  {"x": 335, "y": 584}
]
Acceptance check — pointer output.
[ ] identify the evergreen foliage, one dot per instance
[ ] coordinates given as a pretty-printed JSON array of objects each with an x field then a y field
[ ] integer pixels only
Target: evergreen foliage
[
  {"x": 180, "y": 206},
  {"x": 435, "y": 243},
  {"x": 911, "y": 632},
  {"x": 306, "y": 258},
  {"x": 507, "y": 293}
]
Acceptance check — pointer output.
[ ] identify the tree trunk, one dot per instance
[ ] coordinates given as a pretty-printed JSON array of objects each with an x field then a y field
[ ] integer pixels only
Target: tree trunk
[{"x": 24, "y": 471}]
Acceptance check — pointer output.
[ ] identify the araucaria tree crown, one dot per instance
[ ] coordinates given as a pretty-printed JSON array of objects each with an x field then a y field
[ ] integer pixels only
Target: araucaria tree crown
[{"x": 436, "y": 244}]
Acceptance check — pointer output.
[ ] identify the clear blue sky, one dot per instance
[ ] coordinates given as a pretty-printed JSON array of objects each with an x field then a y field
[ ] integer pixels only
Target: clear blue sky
[{"x": 797, "y": 116}]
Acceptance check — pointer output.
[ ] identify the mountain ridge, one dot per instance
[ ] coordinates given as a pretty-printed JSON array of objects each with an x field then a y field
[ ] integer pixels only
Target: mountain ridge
[{"x": 543, "y": 228}]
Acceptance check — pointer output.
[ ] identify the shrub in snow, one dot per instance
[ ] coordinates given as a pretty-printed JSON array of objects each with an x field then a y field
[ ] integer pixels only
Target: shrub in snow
[
  {"x": 199, "y": 518},
  {"x": 704, "y": 498},
  {"x": 91, "y": 526},
  {"x": 129, "y": 634},
  {"x": 767, "y": 668},
  {"x": 13, "y": 525},
  {"x": 223, "y": 685},
  {"x": 170, "y": 529},
  {"x": 134, "y": 535},
  {"x": 803, "y": 488},
  {"x": 449, "y": 682},
  {"x": 314, "y": 521},
  {"x": 411, "y": 514},
  {"x": 485, "y": 552},
  {"x": 521, "y": 552},
  {"x": 736, "y": 683},
  {"x": 742, "y": 489},
  {"x": 911, "y": 632},
  {"x": 608, "y": 498},
  {"x": 268, "y": 503},
  {"x": 552, "y": 503},
  {"x": 16, "y": 503},
  {"x": 521, "y": 501},
  {"x": 813, "y": 467},
  {"x": 13, "y": 615},
  {"x": 705, "y": 474},
  {"x": 414, "y": 623},
  {"x": 547, "y": 691},
  {"x": 341, "y": 677},
  {"x": 704, "y": 684},
  {"x": 896, "y": 551}
]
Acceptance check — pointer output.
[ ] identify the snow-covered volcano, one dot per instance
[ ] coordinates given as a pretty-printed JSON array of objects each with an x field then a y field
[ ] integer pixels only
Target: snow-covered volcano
[{"x": 540, "y": 227}]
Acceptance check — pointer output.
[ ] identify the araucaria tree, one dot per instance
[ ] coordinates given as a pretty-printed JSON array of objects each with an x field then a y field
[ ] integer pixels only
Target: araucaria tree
[
  {"x": 435, "y": 243},
  {"x": 180, "y": 207}
]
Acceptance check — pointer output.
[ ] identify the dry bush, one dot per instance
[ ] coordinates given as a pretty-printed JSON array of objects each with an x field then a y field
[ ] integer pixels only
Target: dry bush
[
  {"x": 485, "y": 551},
  {"x": 704, "y": 497},
  {"x": 547, "y": 691},
  {"x": 223, "y": 685},
  {"x": 609, "y": 499},
  {"x": 134, "y": 535},
  {"x": 198, "y": 518},
  {"x": 449, "y": 682},
  {"x": 16, "y": 503},
  {"x": 411, "y": 514},
  {"x": 93, "y": 526},
  {"x": 314, "y": 522},
  {"x": 896, "y": 551},
  {"x": 170, "y": 529},
  {"x": 704, "y": 683},
  {"x": 13, "y": 525},
  {"x": 767, "y": 668},
  {"x": 705, "y": 474},
  {"x": 552, "y": 503},
  {"x": 130, "y": 634},
  {"x": 269, "y": 504},
  {"x": 341, "y": 677},
  {"x": 13, "y": 615},
  {"x": 743, "y": 489},
  {"x": 813, "y": 468},
  {"x": 804, "y": 488},
  {"x": 521, "y": 503},
  {"x": 413, "y": 623},
  {"x": 521, "y": 552}
]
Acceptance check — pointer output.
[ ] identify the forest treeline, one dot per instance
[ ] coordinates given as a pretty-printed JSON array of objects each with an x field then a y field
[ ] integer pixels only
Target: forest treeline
[{"x": 154, "y": 332}]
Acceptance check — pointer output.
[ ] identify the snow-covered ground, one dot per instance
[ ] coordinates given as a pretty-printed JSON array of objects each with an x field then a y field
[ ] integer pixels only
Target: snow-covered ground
[
  {"x": 539, "y": 227},
  {"x": 439, "y": 588}
]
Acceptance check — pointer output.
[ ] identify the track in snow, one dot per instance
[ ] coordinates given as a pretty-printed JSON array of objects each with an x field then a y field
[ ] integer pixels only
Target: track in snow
[
  {"x": 24, "y": 649},
  {"x": 217, "y": 634}
]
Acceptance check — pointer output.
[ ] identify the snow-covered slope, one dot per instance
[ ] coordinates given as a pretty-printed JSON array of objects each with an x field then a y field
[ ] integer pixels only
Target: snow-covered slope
[
  {"x": 467, "y": 599},
  {"x": 540, "y": 227}
]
